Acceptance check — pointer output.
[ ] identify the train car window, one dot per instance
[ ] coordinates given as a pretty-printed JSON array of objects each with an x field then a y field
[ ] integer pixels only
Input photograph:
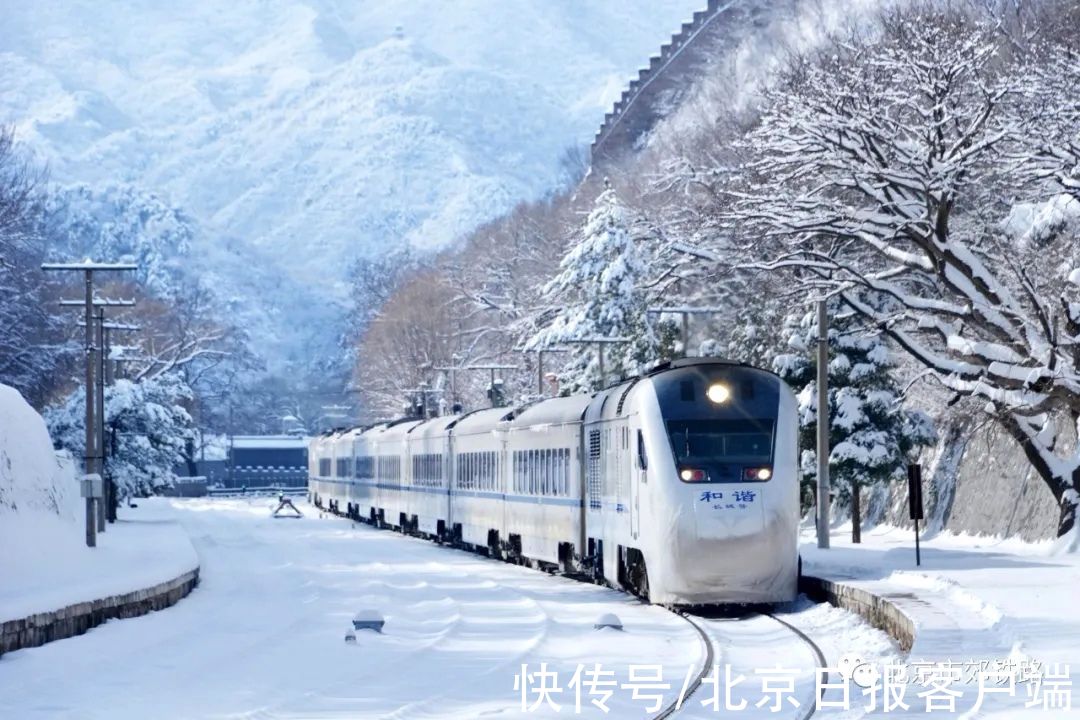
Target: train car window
[
  {"x": 560, "y": 474},
  {"x": 642, "y": 459},
  {"x": 537, "y": 473},
  {"x": 534, "y": 472},
  {"x": 530, "y": 471},
  {"x": 523, "y": 470},
  {"x": 593, "y": 469},
  {"x": 545, "y": 470},
  {"x": 568, "y": 468},
  {"x": 553, "y": 472}
]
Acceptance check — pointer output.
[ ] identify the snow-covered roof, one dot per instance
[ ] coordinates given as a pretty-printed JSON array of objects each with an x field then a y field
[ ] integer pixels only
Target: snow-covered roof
[
  {"x": 481, "y": 420},
  {"x": 434, "y": 427},
  {"x": 260, "y": 442},
  {"x": 553, "y": 412}
]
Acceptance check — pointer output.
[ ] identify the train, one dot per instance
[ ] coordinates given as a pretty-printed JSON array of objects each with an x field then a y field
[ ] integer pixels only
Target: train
[{"x": 680, "y": 485}]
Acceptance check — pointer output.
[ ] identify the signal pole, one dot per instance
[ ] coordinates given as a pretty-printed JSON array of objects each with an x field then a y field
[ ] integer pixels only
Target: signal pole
[
  {"x": 93, "y": 413},
  {"x": 823, "y": 427},
  {"x": 685, "y": 311}
]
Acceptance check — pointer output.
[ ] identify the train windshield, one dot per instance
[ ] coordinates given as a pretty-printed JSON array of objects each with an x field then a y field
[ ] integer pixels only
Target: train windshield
[{"x": 722, "y": 441}]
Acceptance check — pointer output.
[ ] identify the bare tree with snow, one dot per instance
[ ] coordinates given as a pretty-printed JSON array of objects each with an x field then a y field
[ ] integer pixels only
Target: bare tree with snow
[{"x": 880, "y": 173}]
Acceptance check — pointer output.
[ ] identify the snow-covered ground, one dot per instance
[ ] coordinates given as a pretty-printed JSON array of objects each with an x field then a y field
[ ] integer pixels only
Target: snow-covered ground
[
  {"x": 973, "y": 600},
  {"x": 263, "y": 634},
  {"x": 44, "y": 572}
]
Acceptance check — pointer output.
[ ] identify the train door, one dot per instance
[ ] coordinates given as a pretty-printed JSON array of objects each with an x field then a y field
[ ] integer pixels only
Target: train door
[
  {"x": 505, "y": 484},
  {"x": 444, "y": 505},
  {"x": 637, "y": 477}
]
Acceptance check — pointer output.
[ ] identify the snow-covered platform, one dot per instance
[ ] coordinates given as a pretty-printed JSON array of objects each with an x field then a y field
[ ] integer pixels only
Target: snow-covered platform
[
  {"x": 51, "y": 571},
  {"x": 977, "y": 604}
]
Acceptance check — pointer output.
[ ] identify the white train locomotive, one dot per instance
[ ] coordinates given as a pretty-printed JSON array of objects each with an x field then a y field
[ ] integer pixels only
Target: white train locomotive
[{"x": 681, "y": 485}]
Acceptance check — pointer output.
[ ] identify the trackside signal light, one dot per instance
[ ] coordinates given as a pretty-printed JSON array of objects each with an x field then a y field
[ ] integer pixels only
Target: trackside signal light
[{"x": 692, "y": 475}]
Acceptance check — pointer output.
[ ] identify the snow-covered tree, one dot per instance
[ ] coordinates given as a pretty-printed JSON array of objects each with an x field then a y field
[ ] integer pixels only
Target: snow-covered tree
[
  {"x": 32, "y": 343},
  {"x": 871, "y": 434},
  {"x": 147, "y": 430},
  {"x": 602, "y": 291},
  {"x": 879, "y": 174},
  {"x": 123, "y": 223}
]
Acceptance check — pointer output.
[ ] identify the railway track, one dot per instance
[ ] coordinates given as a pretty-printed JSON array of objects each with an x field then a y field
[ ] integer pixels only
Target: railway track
[{"x": 709, "y": 637}]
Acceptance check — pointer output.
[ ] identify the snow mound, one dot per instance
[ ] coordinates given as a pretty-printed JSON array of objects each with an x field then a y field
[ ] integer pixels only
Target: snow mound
[{"x": 39, "y": 495}]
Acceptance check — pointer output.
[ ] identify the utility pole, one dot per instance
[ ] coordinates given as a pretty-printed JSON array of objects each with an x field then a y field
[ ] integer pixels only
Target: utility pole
[
  {"x": 600, "y": 343},
  {"x": 106, "y": 510},
  {"x": 452, "y": 369},
  {"x": 493, "y": 368},
  {"x": 823, "y": 427},
  {"x": 99, "y": 302},
  {"x": 685, "y": 311},
  {"x": 93, "y": 413},
  {"x": 99, "y": 341}
]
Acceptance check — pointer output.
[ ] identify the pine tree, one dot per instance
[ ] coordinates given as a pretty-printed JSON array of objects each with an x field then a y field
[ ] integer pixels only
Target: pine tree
[
  {"x": 870, "y": 433},
  {"x": 601, "y": 292}
]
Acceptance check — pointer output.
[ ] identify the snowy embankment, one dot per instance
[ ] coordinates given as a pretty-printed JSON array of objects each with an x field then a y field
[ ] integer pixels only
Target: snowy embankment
[
  {"x": 45, "y": 564},
  {"x": 973, "y": 600}
]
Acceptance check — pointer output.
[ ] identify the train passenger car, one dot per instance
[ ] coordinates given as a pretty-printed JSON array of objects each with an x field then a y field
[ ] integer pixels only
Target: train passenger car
[
  {"x": 322, "y": 482},
  {"x": 543, "y": 485},
  {"x": 428, "y": 480},
  {"x": 477, "y": 498},
  {"x": 390, "y": 457}
]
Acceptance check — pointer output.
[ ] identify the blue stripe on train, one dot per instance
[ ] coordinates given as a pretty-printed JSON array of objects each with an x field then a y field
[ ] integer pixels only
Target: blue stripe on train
[{"x": 526, "y": 499}]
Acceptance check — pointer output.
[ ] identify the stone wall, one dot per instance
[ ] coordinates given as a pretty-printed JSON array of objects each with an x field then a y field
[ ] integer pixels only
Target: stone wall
[
  {"x": 76, "y": 619},
  {"x": 661, "y": 86},
  {"x": 878, "y": 610},
  {"x": 977, "y": 481}
]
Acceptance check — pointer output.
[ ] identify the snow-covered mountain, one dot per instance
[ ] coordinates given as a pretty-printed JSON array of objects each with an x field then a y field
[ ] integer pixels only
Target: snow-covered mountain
[{"x": 300, "y": 134}]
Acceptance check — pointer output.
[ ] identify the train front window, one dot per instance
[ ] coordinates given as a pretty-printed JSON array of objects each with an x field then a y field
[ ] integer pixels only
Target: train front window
[{"x": 722, "y": 450}]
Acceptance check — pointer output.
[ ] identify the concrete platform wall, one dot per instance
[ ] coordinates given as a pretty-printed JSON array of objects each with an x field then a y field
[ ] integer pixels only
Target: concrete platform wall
[{"x": 76, "y": 619}]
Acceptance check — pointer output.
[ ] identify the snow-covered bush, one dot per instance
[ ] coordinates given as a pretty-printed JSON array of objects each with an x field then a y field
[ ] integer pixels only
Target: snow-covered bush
[{"x": 146, "y": 431}]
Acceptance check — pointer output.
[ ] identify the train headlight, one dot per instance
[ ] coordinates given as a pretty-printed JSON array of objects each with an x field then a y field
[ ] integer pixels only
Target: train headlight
[
  {"x": 719, "y": 393},
  {"x": 692, "y": 475},
  {"x": 758, "y": 474}
]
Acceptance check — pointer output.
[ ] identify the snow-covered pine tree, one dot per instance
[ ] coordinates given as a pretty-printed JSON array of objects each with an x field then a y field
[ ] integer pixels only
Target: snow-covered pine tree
[
  {"x": 601, "y": 292},
  {"x": 870, "y": 433}
]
